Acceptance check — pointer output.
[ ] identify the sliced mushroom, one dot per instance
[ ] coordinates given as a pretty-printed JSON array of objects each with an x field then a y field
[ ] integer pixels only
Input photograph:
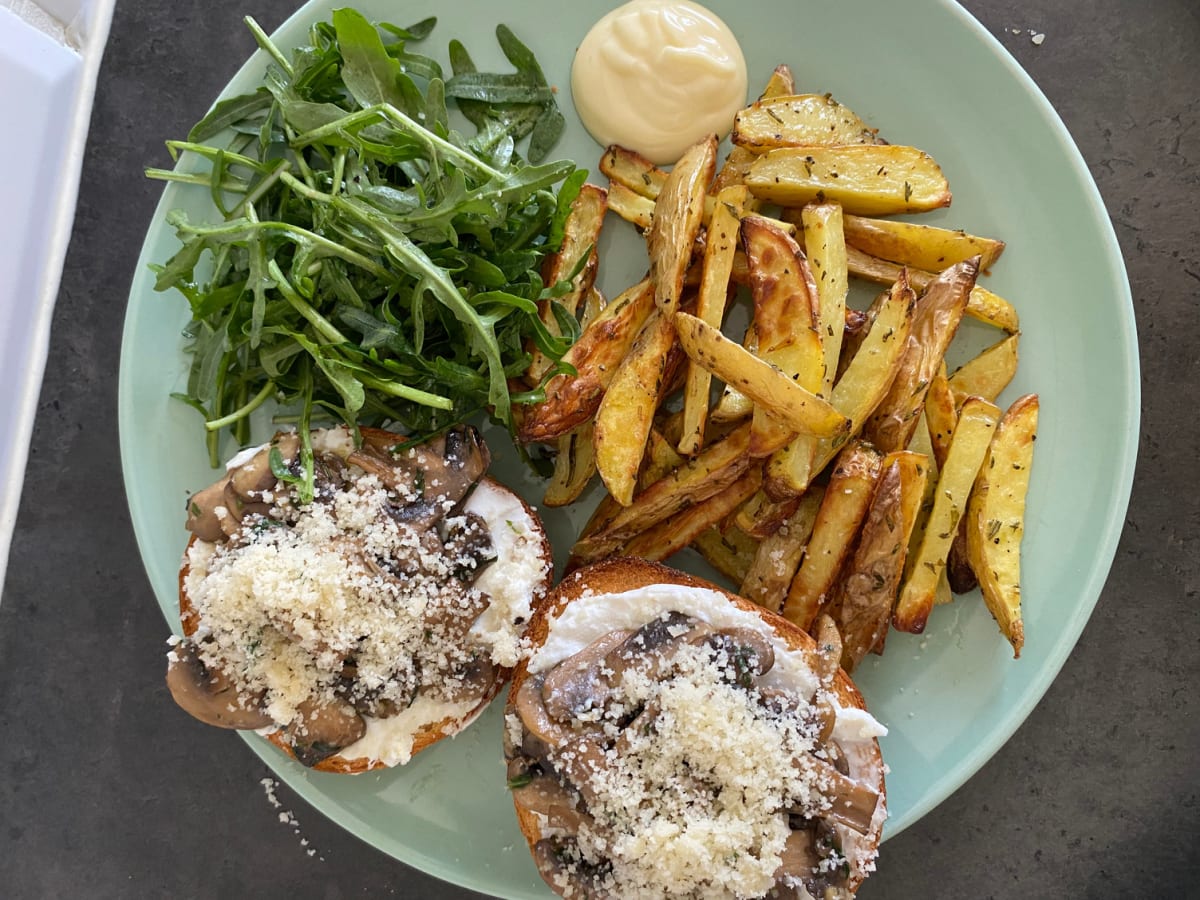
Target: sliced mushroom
[
  {"x": 440, "y": 470},
  {"x": 468, "y": 545},
  {"x": 536, "y": 718},
  {"x": 471, "y": 681},
  {"x": 452, "y": 616},
  {"x": 581, "y": 682},
  {"x": 548, "y": 798},
  {"x": 322, "y": 728},
  {"x": 203, "y": 520},
  {"x": 650, "y": 648},
  {"x": 256, "y": 475},
  {"x": 799, "y": 859},
  {"x": 559, "y": 863},
  {"x": 745, "y": 653},
  {"x": 851, "y": 803},
  {"x": 827, "y": 658},
  {"x": 208, "y": 694}
]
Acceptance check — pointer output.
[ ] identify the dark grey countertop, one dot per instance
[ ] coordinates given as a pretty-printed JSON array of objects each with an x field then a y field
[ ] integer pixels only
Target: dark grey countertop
[{"x": 107, "y": 791}]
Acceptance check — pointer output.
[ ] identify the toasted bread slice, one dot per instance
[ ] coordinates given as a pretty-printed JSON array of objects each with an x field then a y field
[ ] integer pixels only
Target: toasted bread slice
[
  {"x": 624, "y": 575},
  {"x": 524, "y": 563}
]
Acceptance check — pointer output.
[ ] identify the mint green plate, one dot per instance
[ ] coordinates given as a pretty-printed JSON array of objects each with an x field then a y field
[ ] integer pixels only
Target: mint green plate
[{"x": 925, "y": 73}]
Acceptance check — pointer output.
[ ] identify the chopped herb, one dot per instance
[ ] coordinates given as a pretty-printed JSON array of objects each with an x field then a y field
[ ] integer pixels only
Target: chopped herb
[
  {"x": 520, "y": 781},
  {"x": 907, "y": 191}
]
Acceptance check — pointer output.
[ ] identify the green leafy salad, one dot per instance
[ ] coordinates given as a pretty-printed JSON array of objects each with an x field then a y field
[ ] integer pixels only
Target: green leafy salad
[{"x": 371, "y": 264}]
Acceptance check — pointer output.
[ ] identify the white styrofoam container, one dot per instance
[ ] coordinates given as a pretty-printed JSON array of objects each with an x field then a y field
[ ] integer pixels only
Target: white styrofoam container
[{"x": 49, "y": 58}]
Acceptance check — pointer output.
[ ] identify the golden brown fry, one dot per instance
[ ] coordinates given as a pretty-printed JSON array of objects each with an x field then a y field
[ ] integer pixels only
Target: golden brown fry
[
  {"x": 672, "y": 535},
  {"x": 574, "y": 466},
  {"x": 596, "y": 356},
  {"x": 711, "y": 471},
  {"x": 864, "y": 179},
  {"x": 861, "y": 387},
  {"x": 941, "y": 415},
  {"x": 919, "y": 246},
  {"x": 581, "y": 231},
  {"x": 627, "y": 409},
  {"x": 996, "y": 516},
  {"x": 729, "y": 552},
  {"x": 737, "y": 164},
  {"x": 661, "y": 459},
  {"x": 976, "y": 423},
  {"x": 802, "y": 410},
  {"x": 634, "y": 208},
  {"x": 866, "y": 590},
  {"x": 719, "y": 248},
  {"x": 678, "y": 212},
  {"x": 633, "y": 171},
  {"x": 785, "y": 318},
  {"x": 800, "y": 120},
  {"x": 983, "y": 304},
  {"x": 778, "y": 556},
  {"x": 760, "y": 516},
  {"x": 838, "y": 519},
  {"x": 826, "y": 253},
  {"x": 935, "y": 321},
  {"x": 987, "y": 374}
]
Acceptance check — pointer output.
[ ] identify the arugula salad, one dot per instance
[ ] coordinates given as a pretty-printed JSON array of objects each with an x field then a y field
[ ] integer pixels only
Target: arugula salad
[{"x": 371, "y": 264}]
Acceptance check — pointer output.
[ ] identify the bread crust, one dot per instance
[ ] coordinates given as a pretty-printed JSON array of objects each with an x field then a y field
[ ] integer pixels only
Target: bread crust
[
  {"x": 621, "y": 574},
  {"x": 429, "y": 734}
]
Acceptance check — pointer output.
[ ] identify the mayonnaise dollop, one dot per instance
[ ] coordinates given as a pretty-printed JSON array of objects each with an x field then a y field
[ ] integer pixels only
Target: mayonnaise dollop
[{"x": 658, "y": 75}]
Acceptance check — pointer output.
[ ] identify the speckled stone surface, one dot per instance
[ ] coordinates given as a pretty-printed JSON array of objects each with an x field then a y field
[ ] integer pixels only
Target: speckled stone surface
[{"x": 106, "y": 791}]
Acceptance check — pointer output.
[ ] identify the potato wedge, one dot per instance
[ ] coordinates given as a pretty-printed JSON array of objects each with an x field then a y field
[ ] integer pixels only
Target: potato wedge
[
  {"x": 801, "y": 410},
  {"x": 976, "y": 424},
  {"x": 631, "y": 170},
  {"x": 800, "y": 120},
  {"x": 760, "y": 516},
  {"x": 627, "y": 409},
  {"x": 634, "y": 208},
  {"x": 935, "y": 320},
  {"x": 983, "y": 305},
  {"x": 988, "y": 374},
  {"x": 709, "y": 472},
  {"x": 737, "y": 164},
  {"x": 864, "y": 383},
  {"x": 826, "y": 252},
  {"x": 864, "y": 179},
  {"x": 867, "y": 588},
  {"x": 581, "y": 232},
  {"x": 678, "y": 212},
  {"x": 671, "y": 535},
  {"x": 719, "y": 248},
  {"x": 574, "y": 466},
  {"x": 839, "y": 518},
  {"x": 919, "y": 246},
  {"x": 941, "y": 415},
  {"x": 770, "y": 575},
  {"x": 996, "y": 516},
  {"x": 785, "y": 318},
  {"x": 730, "y": 552},
  {"x": 596, "y": 356}
]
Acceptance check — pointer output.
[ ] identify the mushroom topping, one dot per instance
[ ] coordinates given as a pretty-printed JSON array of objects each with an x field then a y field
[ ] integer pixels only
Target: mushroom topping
[
  {"x": 545, "y": 796},
  {"x": 208, "y": 694},
  {"x": 558, "y": 862},
  {"x": 362, "y": 599},
  {"x": 430, "y": 478},
  {"x": 575, "y": 686},
  {"x": 322, "y": 728},
  {"x": 632, "y": 728},
  {"x": 203, "y": 520}
]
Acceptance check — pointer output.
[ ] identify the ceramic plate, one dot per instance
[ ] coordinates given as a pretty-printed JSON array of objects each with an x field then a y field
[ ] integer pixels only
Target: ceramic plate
[{"x": 925, "y": 73}]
